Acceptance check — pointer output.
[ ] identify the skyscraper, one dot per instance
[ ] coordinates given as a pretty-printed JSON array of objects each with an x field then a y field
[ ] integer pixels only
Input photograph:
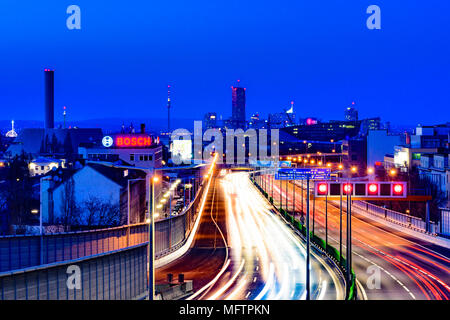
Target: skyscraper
[{"x": 238, "y": 107}]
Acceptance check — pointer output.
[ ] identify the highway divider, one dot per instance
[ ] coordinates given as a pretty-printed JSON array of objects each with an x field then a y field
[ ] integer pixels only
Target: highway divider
[{"x": 329, "y": 250}]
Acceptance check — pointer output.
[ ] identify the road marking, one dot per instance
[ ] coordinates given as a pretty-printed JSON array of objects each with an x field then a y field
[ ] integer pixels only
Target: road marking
[
  {"x": 361, "y": 289},
  {"x": 407, "y": 264},
  {"x": 388, "y": 273},
  {"x": 247, "y": 295},
  {"x": 228, "y": 284},
  {"x": 393, "y": 234},
  {"x": 226, "y": 262},
  {"x": 254, "y": 279}
]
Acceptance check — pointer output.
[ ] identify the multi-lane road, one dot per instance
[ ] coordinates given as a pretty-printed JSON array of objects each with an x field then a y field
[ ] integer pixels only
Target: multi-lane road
[
  {"x": 244, "y": 250},
  {"x": 388, "y": 264}
]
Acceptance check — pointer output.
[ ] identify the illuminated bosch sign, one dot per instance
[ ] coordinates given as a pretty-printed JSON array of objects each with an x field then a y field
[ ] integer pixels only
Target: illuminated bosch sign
[{"x": 129, "y": 141}]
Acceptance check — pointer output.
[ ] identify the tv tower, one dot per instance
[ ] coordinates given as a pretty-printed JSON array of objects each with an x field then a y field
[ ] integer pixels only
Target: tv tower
[
  {"x": 64, "y": 115},
  {"x": 168, "y": 109}
]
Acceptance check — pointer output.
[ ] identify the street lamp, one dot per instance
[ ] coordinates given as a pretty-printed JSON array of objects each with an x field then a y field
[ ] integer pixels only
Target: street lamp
[{"x": 151, "y": 211}]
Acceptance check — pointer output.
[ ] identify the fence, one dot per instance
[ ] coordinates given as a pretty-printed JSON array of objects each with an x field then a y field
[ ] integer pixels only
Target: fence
[
  {"x": 120, "y": 274},
  {"x": 171, "y": 233},
  {"x": 397, "y": 217},
  {"x": 18, "y": 252},
  {"x": 24, "y": 251}
]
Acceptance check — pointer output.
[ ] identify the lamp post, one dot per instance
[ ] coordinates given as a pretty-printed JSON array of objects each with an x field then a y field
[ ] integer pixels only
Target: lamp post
[
  {"x": 151, "y": 211},
  {"x": 308, "y": 245},
  {"x": 294, "y": 198},
  {"x": 340, "y": 228},
  {"x": 326, "y": 222},
  {"x": 187, "y": 186}
]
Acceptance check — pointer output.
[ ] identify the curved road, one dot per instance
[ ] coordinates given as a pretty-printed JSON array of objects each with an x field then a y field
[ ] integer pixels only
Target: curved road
[
  {"x": 407, "y": 267},
  {"x": 243, "y": 250}
]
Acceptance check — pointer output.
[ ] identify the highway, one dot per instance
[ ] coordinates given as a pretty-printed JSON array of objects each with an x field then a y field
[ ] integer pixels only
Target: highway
[
  {"x": 244, "y": 250},
  {"x": 409, "y": 268}
]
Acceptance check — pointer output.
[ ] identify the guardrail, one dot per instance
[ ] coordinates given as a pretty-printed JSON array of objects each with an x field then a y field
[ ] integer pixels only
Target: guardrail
[
  {"x": 18, "y": 252},
  {"x": 329, "y": 250},
  {"x": 118, "y": 274},
  {"x": 405, "y": 220},
  {"x": 172, "y": 233},
  {"x": 23, "y": 251},
  {"x": 112, "y": 262}
]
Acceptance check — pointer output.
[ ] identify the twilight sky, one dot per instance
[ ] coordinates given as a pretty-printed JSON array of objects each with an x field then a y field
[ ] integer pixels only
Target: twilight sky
[{"x": 318, "y": 53}]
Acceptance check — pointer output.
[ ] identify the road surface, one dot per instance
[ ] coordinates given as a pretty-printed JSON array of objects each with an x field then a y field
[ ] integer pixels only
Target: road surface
[
  {"x": 244, "y": 250},
  {"x": 408, "y": 267}
]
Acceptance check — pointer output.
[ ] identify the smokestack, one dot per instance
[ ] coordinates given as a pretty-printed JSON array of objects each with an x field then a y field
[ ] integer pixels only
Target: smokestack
[
  {"x": 49, "y": 98},
  {"x": 142, "y": 127}
]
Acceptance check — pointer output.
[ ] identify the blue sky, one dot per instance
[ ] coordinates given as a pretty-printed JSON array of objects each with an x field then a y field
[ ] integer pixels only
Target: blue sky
[{"x": 318, "y": 53}]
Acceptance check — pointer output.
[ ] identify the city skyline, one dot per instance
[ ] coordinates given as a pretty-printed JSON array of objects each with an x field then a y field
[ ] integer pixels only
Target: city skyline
[
  {"x": 225, "y": 150},
  {"x": 300, "y": 52}
]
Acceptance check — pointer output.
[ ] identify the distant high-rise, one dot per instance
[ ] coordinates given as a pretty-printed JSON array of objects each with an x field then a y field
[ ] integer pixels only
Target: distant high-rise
[
  {"x": 168, "y": 108},
  {"x": 351, "y": 114},
  {"x": 49, "y": 76},
  {"x": 210, "y": 120},
  {"x": 238, "y": 107}
]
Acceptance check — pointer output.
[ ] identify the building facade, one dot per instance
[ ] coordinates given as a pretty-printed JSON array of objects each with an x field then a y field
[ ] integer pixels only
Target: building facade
[
  {"x": 139, "y": 150},
  {"x": 380, "y": 143},
  {"x": 238, "y": 107}
]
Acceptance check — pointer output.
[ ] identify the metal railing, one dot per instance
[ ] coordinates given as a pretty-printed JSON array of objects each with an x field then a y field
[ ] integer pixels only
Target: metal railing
[
  {"x": 23, "y": 251},
  {"x": 119, "y": 274},
  {"x": 112, "y": 262},
  {"x": 397, "y": 217},
  {"x": 18, "y": 252},
  {"x": 171, "y": 233}
]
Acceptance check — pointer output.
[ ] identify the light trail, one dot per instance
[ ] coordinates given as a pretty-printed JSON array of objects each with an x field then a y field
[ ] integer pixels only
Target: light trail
[
  {"x": 267, "y": 260},
  {"x": 423, "y": 271}
]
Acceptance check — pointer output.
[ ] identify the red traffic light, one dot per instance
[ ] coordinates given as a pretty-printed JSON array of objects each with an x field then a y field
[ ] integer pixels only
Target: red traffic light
[
  {"x": 348, "y": 188},
  {"x": 397, "y": 189},
  {"x": 373, "y": 189},
  {"x": 322, "y": 189}
]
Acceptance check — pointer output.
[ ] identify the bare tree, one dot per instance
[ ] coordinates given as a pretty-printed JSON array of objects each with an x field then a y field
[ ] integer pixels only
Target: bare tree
[
  {"x": 69, "y": 208},
  {"x": 101, "y": 213}
]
